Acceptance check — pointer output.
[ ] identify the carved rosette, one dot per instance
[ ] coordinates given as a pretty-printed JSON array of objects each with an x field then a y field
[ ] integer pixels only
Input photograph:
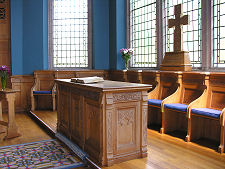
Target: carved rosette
[
  {"x": 126, "y": 117},
  {"x": 121, "y": 97}
]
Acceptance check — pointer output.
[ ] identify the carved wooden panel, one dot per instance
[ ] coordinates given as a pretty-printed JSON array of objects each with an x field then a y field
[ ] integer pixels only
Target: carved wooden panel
[
  {"x": 64, "y": 111},
  {"x": 5, "y": 58},
  {"x": 124, "y": 97},
  {"x": 92, "y": 113},
  {"x": 76, "y": 117},
  {"x": 113, "y": 121},
  {"x": 127, "y": 121}
]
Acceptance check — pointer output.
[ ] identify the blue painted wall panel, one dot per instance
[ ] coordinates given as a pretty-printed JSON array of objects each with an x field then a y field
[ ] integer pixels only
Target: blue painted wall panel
[
  {"x": 100, "y": 26},
  {"x": 33, "y": 36},
  {"x": 17, "y": 36},
  {"x": 29, "y": 35},
  {"x": 121, "y": 31}
]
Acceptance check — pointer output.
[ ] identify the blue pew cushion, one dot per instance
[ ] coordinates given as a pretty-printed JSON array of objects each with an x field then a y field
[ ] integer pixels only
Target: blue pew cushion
[
  {"x": 177, "y": 106},
  {"x": 155, "y": 102},
  {"x": 207, "y": 112},
  {"x": 42, "y": 92}
]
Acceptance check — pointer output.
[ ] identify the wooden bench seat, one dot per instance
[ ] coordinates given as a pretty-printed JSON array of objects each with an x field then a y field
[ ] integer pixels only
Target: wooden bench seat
[
  {"x": 43, "y": 85},
  {"x": 206, "y": 115},
  {"x": 174, "y": 108},
  {"x": 166, "y": 85}
]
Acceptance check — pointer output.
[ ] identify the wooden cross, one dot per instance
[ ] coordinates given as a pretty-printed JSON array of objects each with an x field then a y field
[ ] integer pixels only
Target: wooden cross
[{"x": 177, "y": 23}]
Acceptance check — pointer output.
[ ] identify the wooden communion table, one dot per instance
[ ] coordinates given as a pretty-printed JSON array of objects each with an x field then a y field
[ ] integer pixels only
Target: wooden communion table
[
  {"x": 9, "y": 95},
  {"x": 108, "y": 120}
]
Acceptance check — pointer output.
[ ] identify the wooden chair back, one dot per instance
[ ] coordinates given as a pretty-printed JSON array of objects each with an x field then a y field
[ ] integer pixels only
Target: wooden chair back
[
  {"x": 44, "y": 80},
  {"x": 192, "y": 87},
  {"x": 216, "y": 91},
  {"x": 166, "y": 85}
]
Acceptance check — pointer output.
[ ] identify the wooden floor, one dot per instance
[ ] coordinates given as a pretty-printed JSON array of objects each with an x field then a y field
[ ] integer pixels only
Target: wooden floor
[
  {"x": 164, "y": 151},
  {"x": 29, "y": 130}
]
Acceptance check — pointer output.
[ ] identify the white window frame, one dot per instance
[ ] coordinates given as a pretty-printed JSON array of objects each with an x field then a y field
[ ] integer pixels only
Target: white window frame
[
  {"x": 50, "y": 43},
  {"x": 207, "y": 35}
]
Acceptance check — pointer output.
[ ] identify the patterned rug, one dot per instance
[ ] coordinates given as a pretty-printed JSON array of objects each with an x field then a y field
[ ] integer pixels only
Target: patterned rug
[{"x": 40, "y": 155}]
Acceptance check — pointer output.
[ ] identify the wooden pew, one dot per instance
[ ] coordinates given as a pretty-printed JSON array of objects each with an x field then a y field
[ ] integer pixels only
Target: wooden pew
[
  {"x": 174, "y": 107},
  {"x": 166, "y": 85},
  {"x": 206, "y": 115},
  {"x": 43, "y": 86}
]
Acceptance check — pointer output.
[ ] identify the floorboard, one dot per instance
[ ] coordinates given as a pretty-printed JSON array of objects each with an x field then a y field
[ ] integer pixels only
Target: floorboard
[{"x": 164, "y": 151}]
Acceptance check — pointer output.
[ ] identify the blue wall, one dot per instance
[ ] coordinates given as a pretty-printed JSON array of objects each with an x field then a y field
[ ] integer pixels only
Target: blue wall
[
  {"x": 100, "y": 38},
  {"x": 17, "y": 36},
  {"x": 117, "y": 33},
  {"x": 29, "y": 35}
]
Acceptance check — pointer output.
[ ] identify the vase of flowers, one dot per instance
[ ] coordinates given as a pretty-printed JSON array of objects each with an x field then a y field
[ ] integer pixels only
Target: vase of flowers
[
  {"x": 126, "y": 55},
  {"x": 4, "y": 70}
]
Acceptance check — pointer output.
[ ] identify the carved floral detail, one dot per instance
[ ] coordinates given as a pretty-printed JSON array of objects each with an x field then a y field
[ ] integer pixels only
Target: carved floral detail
[
  {"x": 144, "y": 127},
  {"x": 118, "y": 97},
  {"x": 125, "y": 117},
  {"x": 92, "y": 115},
  {"x": 109, "y": 131}
]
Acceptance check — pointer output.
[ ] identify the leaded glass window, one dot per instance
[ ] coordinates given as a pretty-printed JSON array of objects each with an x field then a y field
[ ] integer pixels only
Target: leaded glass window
[
  {"x": 68, "y": 33},
  {"x": 143, "y": 33},
  {"x": 219, "y": 33},
  {"x": 191, "y": 32}
]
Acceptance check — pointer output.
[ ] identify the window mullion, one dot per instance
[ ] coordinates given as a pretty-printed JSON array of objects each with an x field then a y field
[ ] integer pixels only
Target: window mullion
[{"x": 207, "y": 38}]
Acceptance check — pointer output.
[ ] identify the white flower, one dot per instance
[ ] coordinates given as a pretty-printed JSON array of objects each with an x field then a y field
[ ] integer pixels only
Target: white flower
[{"x": 125, "y": 51}]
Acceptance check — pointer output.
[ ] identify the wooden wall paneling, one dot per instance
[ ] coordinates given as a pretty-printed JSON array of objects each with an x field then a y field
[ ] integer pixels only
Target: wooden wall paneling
[
  {"x": 149, "y": 77},
  {"x": 134, "y": 76},
  {"x": 5, "y": 39},
  {"x": 23, "y": 84},
  {"x": 65, "y": 74},
  {"x": 88, "y": 73},
  {"x": 118, "y": 75}
]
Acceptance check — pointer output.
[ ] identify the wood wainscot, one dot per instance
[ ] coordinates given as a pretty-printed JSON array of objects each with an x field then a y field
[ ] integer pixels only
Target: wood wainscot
[
  {"x": 118, "y": 75},
  {"x": 108, "y": 120},
  {"x": 23, "y": 84}
]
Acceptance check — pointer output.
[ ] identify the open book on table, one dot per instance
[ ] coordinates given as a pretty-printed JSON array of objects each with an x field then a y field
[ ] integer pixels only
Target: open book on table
[{"x": 93, "y": 79}]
